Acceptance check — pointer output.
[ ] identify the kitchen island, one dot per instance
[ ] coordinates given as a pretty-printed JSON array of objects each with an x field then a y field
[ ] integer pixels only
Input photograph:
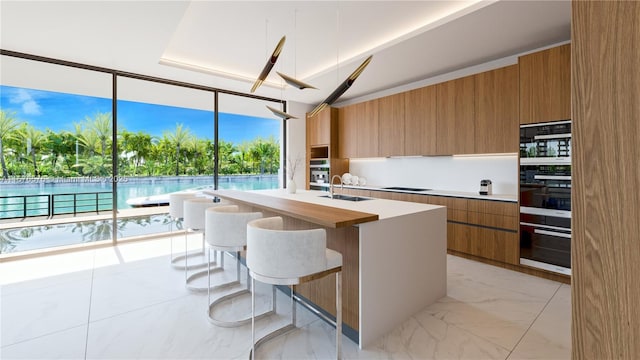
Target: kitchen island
[{"x": 394, "y": 254}]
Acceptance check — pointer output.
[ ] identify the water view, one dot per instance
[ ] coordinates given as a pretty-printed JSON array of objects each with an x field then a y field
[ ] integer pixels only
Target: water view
[{"x": 58, "y": 156}]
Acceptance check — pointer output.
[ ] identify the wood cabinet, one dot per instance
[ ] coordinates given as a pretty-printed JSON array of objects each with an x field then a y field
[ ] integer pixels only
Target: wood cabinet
[
  {"x": 483, "y": 228},
  {"x": 545, "y": 85},
  {"x": 391, "y": 124},
  {"x": 358, "y": 130},
  {"x": 368, "y": 132},
  {"x": 455, "y": 117},
  {"x": 322, "y": 143},
  {"x": 319, "y": 127},
  {"x": 348, "y": 131},
  {"x": 420, "y": 121},
  {"x": 496, "y": 111}
]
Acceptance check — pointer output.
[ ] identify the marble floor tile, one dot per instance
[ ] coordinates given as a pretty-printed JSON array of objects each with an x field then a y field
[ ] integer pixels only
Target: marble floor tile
[
  {"x": 30, "y": 314},
  {"x": 135, "y": 305},
  {"x": 66, "y": 344},
  {"x": 501, "y": 316},
  {"x": 145, "y": 283},
  {"x": 427, "y": 337},
  {"x": 42, "y": 271},
  {"x": 495, "y": 277},
  {"x": 550, "y": 335}
]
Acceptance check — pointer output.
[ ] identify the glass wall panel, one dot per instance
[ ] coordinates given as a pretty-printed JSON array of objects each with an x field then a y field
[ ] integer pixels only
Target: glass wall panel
[
  {"x": 165, "y": 144},
  {"x": 250, "y": 139},
  {"x": 55, "y": 155}
]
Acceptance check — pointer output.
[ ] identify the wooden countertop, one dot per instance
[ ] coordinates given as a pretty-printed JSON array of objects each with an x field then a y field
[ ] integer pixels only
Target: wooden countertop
[{"x": 327, "y": 216}]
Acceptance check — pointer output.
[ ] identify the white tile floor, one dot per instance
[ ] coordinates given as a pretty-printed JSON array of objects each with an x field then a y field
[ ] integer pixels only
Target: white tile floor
[{"x": 128, "y": 302}]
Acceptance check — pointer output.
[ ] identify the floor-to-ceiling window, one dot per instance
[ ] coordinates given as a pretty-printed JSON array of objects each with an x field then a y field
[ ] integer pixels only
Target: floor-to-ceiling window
[
  {"x": 78, "y": 166},
  {"x": 55, "y": 155},
  {"x": 250, "y": 139}
]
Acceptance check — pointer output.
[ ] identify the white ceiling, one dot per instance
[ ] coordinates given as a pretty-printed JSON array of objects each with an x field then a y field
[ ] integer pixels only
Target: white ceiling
[{"x": 226, "y": 44}]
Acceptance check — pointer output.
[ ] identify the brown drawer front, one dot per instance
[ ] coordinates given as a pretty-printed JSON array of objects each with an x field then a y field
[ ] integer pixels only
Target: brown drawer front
[
  {"x": 493, "y": 207},
  {"x": 494, "y": 221},
  {"x": 458, "y": 237},
  {"x": 457, "y": 215},
  {"x": 496, "y": 245},
  {"x": 492, "y": 244}
]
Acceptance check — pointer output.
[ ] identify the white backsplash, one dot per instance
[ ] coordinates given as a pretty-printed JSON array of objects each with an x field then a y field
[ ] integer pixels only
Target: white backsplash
[{"x": 450, "y": 173}]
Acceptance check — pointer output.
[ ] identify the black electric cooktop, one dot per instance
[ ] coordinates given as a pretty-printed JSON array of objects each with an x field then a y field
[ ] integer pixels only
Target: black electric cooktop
[{"x": 405, "y": 188}]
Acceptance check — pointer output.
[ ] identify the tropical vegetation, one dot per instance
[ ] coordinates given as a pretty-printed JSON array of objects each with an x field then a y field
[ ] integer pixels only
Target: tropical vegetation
[{"x": 27, "y": 151}]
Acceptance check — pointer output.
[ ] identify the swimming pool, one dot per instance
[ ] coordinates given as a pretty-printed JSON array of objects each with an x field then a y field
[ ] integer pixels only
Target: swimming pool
[{"x": 127, "y": 188}]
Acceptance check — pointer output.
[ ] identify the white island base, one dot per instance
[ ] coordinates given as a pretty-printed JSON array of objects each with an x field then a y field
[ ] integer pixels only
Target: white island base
[{"x": 403, "y": 269}]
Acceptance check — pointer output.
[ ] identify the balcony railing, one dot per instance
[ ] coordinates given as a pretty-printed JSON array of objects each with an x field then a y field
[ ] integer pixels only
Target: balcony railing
[{"x": 23, "y": 206}]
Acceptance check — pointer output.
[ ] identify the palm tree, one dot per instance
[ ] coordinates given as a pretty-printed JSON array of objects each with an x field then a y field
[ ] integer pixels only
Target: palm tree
[
  {"x": 179, "y": 138},
  {"x": 8, "y": 123},
  {"x": 101, "y": 125},
  {"x": 34, "y": 138}
]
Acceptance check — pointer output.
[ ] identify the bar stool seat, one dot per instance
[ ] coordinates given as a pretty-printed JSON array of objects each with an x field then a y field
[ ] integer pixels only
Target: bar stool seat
[
  {"x": 176, "y": 213},
  {"x": 194, "y": 222},
  {"x": 226, "y": 231},
  {"x": 290, "y": 257}
]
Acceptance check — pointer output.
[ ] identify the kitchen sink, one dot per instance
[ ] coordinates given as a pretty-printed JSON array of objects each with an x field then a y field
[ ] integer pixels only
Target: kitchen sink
[
  {"x": 346, "y": 197},
  {"x": 404, "y": 188}
]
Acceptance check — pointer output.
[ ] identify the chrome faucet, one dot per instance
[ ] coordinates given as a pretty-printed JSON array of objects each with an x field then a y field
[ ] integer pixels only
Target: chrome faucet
[{"x": 331, "y": 185}]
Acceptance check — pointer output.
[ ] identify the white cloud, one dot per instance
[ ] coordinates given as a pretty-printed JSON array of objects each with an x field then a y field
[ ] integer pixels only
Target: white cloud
[
  {"x": 31, "y": 107},
  {"x": 29, "y": 104}
]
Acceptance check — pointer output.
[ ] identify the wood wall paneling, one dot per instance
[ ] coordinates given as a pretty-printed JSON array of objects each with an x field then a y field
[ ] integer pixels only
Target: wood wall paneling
[
  {"x": 420, "y": 121},
  {"x": 455, "y": 117},
  {"x": 391, "y": 124},
  {"x": 545, "y": 85},
  {"x": 605, "y": 289},
  {"x": 496, "y": 111}
]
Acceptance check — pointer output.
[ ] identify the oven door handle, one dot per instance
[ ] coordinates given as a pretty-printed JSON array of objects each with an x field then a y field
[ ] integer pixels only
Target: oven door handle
[
  {"x": 552, "y": 233},
  {"x": 552, "y": 136},
  {"x": 552, "y": 177}
]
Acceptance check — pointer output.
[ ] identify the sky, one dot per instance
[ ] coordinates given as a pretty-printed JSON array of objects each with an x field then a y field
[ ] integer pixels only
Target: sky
[{"x": 59, "y": 111}]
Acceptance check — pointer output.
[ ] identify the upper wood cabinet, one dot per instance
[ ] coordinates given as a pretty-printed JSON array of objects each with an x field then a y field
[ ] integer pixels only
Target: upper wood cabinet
[
  {"x": 496, "y": 111},
  {"x": 358, "y": 130},
  {"x": 545, "y": 85},
  {"x": 455, "y": 117},
  {"x": 368, "y": 131},
  {"x": 391, "y": 124},
  {"x": 319, "y": 127},
  {"x": 420, "y": 121},
  {"x": 348, "y": 131}
]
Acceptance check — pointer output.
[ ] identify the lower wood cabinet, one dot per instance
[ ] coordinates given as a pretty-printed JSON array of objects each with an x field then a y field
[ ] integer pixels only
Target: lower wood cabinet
[{"x": 482, "y": 228}]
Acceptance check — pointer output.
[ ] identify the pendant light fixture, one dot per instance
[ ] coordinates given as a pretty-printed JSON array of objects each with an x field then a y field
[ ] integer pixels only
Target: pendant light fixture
[
  {"x": 288, "y": 79},
  {"x": 281, "y": 114},
  {"x": 269, "y": 65},
  {"x": 341, "y": 88}
]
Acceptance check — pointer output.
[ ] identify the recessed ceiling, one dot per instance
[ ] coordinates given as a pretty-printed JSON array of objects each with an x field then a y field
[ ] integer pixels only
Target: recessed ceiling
[{"x": 225, "y": 44}]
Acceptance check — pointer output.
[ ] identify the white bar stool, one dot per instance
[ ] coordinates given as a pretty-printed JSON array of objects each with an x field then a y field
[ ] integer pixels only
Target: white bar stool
[
  {"x": 290, "y": 257},
  {"x": 226, "y": 231},
  {"x": 176, "y": 212},
  {"x": 194, "y": 222}
]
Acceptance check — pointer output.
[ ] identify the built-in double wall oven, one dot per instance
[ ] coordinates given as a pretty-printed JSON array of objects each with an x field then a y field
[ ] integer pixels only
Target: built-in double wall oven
[{"x": 545, "y": 196}]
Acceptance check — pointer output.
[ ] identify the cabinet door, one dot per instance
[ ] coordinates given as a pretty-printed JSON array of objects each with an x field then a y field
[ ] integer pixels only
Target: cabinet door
[
  {"x": 391, "y": 125},
  {"x": 367, "y": 129},
  {"x": 348, "y": 131},
  {"x": 319, "y": 128},
  {"x": 545, "y": 85},
  {"x": 420, "y": 121},
  {"x": 496, "y": 111},
  {"x": 455, "y": 117}
]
